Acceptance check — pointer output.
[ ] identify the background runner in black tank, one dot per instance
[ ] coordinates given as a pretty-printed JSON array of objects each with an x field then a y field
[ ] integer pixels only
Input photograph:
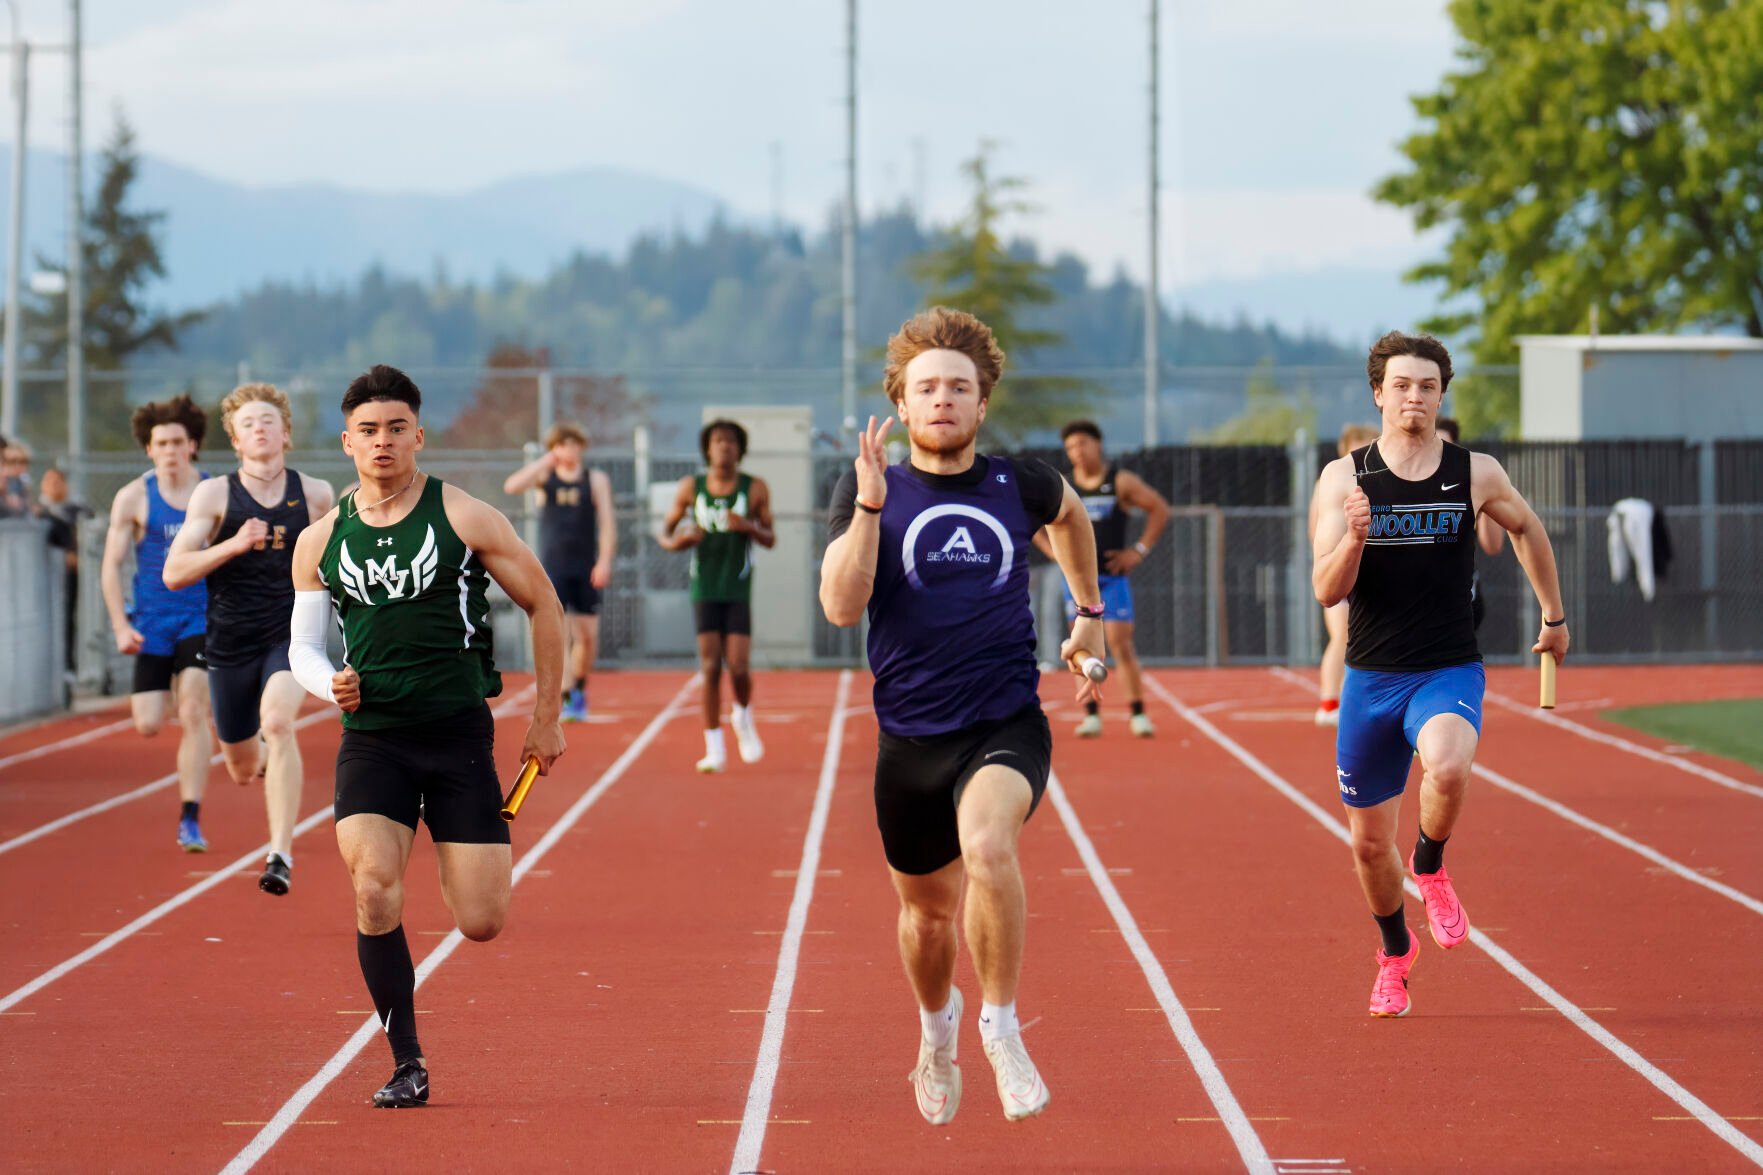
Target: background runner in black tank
[
  {"x": 1394, "y": 532},
  {"x": 1109, "y": 495},
  {"x": 725, "y": 512},
  {"x": 934, "y": 555},
  {"x": 578, "y": 541},
  {"x": 239, "y": 536}
]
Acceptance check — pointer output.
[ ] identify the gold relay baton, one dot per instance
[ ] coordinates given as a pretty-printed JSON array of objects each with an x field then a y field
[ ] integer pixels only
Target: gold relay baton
[{"x": 523, "y": 784}]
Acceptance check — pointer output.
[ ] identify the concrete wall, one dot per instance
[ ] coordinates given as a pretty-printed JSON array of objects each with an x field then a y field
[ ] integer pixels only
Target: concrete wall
[
  {"x": 1626, "y": 389},
  {"x": 1549, "y": 379}
]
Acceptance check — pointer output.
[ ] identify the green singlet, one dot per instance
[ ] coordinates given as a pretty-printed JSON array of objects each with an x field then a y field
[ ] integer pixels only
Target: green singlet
[
  {"x": 413, "y": 602},
  {"x": 722, "y": 562}
]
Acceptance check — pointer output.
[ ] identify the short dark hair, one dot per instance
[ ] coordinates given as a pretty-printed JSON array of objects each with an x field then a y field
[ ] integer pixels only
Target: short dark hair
[
  {"x": 177, "y": 410},
  {"x": 739, "y": 433},
  {"x": 382, "y": 382},
  {"x": 1087, "y": 427},
  {"x": 1448, "y": 424},
  {"x": 1420, "y": 346}
]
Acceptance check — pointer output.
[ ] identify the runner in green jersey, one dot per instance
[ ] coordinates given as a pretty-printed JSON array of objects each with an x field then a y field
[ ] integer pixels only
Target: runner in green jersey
[
  {"x": 404, "y": 562},
  {"x": 730, "y": 511}
]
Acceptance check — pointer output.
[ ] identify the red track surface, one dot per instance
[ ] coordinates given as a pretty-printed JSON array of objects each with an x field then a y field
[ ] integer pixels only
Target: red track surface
[{"x": 616, "y": 1024}]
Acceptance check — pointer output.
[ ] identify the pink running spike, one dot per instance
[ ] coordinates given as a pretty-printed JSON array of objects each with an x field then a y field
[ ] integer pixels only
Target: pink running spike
[
  {"x": 1389, "y": 994},
  {"x": 1445, "y": 915}
]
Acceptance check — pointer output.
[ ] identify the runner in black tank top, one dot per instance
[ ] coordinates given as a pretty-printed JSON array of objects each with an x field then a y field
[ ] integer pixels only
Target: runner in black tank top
[
  {"x": 1395, "y": 535},
  {"x": 238, "y": 536}
]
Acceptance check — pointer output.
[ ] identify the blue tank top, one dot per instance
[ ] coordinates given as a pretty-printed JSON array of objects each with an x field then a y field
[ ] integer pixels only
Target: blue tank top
[
  {"x": 952, "y": 635},
  {"x": 153, "y": 600}
]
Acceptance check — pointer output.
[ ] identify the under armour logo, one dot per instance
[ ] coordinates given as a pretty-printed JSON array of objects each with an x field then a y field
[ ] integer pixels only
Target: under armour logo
[{"x": 382, "y": 542}]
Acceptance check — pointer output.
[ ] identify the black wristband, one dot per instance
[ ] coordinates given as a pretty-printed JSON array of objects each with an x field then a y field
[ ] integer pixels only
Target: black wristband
[
  {"x": 1555, "y": 623},
  {"x": 865, "y": 506},
  {"x": 1091, "y": 611}
]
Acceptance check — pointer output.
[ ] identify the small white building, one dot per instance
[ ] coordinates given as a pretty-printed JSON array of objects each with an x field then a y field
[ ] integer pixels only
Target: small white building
[{"x": 1583, "y": 387}]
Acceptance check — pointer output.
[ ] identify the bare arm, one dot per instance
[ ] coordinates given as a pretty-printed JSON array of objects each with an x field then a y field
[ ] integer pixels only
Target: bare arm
[
  {"x": 676, "y": 511},
  {"x": 847, "y": 570},
  {"x": 319, "y": 498},
  {"x": 531, "y": 475},
  {"x": 600, "y": 487},
  {"x": 125, "y": 531},
  {"x": 512, "y": 564},
  {"x": 190, "y": 558},
  {"x": 1343, "y": 521},
  {"x": 1073, "y": 540},
  {"x": 1490, "y": 534},
  {"x": 1132, "y": 491},
  {"x": 756, "y": 524},
  {"x": 1501, "y": 502}
]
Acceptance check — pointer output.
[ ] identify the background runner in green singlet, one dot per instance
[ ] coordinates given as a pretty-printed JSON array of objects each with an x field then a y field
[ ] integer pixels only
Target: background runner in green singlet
[
  {"x": 405, "y": 561},
  {"x": 730, "y": 511}
]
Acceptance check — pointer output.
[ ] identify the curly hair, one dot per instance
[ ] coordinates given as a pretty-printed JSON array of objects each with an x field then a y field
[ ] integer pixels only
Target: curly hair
[
  {"x": 177, "y": 410},
  {"x": 943, "y": 329},
  {"x": 1420, "y": 346}
]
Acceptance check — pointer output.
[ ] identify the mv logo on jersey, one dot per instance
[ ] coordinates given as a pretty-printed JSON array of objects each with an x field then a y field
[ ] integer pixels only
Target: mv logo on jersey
[
  {"x": 948, "y": 541},
  {"x": 359, "y": 582}
]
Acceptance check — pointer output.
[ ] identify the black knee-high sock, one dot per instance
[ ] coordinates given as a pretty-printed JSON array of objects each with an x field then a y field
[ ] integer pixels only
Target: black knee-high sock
[
  {"x": 1429, "y": 854},
  {"x": 391, "y": 982},
  {"x": 1394, "y": 928}
]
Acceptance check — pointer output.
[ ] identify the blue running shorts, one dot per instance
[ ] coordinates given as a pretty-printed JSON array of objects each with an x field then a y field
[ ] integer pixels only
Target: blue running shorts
[
  {"x": 1381, "y": 717},
  {"x": 1116, "y": 598}
]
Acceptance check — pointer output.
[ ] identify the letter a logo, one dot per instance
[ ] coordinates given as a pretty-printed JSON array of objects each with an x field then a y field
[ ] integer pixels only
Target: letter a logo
[{"x": 960, "y": 541}]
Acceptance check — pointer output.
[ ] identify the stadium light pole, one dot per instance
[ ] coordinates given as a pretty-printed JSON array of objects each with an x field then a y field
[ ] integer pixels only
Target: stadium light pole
[
  {"x": 76, "y": 267},
  {"x": 1152, "y": 305},
  {"x": 848, "y": 235},
  {"x": 21, "y": 58}
]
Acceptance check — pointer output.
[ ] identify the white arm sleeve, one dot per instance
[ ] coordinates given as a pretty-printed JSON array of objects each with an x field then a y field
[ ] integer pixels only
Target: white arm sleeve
[{"x": 306, "y": 636}]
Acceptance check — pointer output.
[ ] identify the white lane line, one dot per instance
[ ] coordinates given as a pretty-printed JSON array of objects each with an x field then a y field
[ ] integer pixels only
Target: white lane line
[
  {"x": 1655, "y": 1076},
  {"x": 75, "y": 740},
  {"x": 1249, "y": 1146},
  {"x": 296, "y": 1105},
  {"x": 771, "y": 1042},
  {"x": 1623, "y": 744},
  {"x": 254, "y": 857},
  {"x": 146, "y": 789},
  {"x": 1610, "y": 834}
]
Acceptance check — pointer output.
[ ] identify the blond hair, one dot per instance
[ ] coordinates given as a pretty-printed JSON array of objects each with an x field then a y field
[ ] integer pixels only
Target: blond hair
[
  {"x": 257, "y": 394},
  {"x": 565, "y": 431},
  {"x": 1354, "y": 435},
  {"x": 943, "y": 329}
]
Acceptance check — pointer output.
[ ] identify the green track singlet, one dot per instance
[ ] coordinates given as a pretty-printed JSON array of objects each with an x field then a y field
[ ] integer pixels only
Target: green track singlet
[
  {"x": 722, "y": 562},
  {"x": 413, "y": 602}
]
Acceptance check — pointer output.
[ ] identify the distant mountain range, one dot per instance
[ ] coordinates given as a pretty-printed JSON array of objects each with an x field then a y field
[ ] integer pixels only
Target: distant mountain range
[{"x": 222, "y": 238}]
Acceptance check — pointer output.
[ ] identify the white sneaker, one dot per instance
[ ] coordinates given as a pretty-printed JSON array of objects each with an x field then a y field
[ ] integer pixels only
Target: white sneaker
[
  {"x": 710, "y": 764},
  {"x": 747, "y": 737},
  {"x": 1328, "y": 717},
  {"x": 1141, "y": 726},
  {"x": 936, "y": 1079},
  {"x": 1020, "y": 1087},
  {"x": 1090, "y": 727}
]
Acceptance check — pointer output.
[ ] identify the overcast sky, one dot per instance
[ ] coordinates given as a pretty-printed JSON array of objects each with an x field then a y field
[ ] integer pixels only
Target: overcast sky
[{"x": 1278, "y": 114}]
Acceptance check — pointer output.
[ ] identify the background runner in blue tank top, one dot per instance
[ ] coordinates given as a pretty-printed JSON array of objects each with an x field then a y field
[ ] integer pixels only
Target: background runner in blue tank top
[
  {"x": 937, "y": 552},
  {"x": 164, "y": 630},
  {"x": 240, "y": 536},
  {"x": 578, "y": 541},
  {"x": 1395, "y": 536},
  {"x": 1109, "y": 494}
]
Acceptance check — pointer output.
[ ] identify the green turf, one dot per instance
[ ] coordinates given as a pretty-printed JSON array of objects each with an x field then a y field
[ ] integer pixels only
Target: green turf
[{"x": 1732, "y": 729}]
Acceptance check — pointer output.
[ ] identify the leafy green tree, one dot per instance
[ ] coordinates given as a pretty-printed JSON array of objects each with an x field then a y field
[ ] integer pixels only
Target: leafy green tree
[
  {"x": 1271, "y": 416},
  {"x": 973, "y": 269},
  {"x": 1589, "y": 153}
]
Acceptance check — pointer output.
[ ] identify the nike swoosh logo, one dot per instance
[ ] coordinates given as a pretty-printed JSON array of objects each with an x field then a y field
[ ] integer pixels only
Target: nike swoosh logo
[
  {"x": 1467, "y": 706},
  {"x": 995, "y": 754},
  {"x": 422, "y": 1089},
  {"x": 1452, "y": 486}
]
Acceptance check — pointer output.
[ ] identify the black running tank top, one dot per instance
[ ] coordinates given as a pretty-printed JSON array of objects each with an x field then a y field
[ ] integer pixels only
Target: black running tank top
[
  {"x": 1413, "y": 603},
  {"x": 251, "y": 598},
  {"x": 569, "y": 526},
  {"x": 1106, "y": 516}
]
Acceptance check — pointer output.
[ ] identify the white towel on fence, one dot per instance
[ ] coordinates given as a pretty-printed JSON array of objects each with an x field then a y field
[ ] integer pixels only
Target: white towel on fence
[{"x": 1631, "y": 540}]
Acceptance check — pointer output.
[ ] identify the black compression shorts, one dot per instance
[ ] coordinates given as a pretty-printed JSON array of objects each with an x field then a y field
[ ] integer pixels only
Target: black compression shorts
[
  {"x": 442, "y": 770},
  {"x": 155, "y": 672},
  {"x": 919, "y": 781},
  {"x": 234, "y": 692},
  {"x": 724, "y": 617},
  {"x": 577, "y": 593}
]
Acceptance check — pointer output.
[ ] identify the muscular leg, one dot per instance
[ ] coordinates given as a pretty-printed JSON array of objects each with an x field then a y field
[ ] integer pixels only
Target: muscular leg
[
  {"x": 1334, "y": 655},
  {"x": 1126, "y": 658},
  {"x": 376, "y": 850},
  {"x": 928, "y": 904},
  {"x": 148, "y": 711},
  {"x": 737, "y": 650},
  {"x": 196, "y": 743},
  {"x": 710, "y": 665},
  {"x": 993, "y": 808},
  {"x": 1375, "y": 856},
  {"x": 1447, "y": 748},
  {"x": 282, "y": 782},
  {"x": 475, "y": 880}
]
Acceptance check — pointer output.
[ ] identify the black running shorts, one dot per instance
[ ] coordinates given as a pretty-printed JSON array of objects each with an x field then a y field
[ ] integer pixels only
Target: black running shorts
[
  {"x": 155, "y": 673},
  {"x": 577, "y": 593},
  {"x": 724, "y": 617},
  {"x": 442, "y": 770},
  {"x": 919, "y": 781},
  {"x": 234, "y": 692}
]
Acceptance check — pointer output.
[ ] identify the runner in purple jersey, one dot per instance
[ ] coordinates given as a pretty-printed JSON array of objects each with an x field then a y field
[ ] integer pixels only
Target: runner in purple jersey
[{"x": 937, "y": 553}]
